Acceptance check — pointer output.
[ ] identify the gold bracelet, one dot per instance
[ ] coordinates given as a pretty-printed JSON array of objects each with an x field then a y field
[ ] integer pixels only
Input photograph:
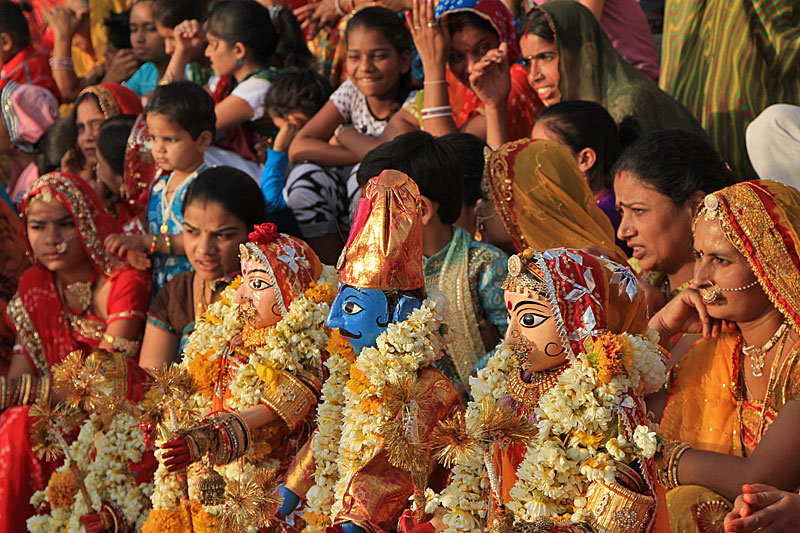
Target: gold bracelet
[{"x": 673, "y": 472}]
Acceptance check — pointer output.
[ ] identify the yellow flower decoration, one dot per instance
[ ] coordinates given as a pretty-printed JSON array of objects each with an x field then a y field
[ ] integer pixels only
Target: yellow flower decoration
[{"x": 61, "y": 490}]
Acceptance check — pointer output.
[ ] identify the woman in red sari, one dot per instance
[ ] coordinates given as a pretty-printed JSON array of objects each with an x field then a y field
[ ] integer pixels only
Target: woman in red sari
[{"x": 76, "y": 296}]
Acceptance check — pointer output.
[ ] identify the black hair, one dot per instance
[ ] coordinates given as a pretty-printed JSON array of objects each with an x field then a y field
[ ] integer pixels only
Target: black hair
[
  {"x": 291, "y": 50},
  {"x": 14, "y": 23},
  {"x": 538, "y": 24},
  {"x": 53, "y": 144},
  {"x": 170, "y": 13},
  {"x": 112, "y": 139},
  {"x": 186, "y": 104},
  {"x": 298, "y": 90},
  {"x": 469, "y": 150},
  {"x": 234, "y": 190},
  {"x": 118, "y": 30},
  {"x": 465, "y": 19},
  {"x": 429, "y": 161},
  {"x": 675, "y": 163},
  {"x": 582, "y": 124},
  {"x": 246, "y": 22},
  {"x": 391, "y": 26}
]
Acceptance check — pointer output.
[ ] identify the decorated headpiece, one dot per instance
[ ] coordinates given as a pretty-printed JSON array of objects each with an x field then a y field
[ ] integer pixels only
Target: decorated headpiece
[
  {"x": 761, "y": 218},
  {"x": 384, "y": 250},
  {"x": 94, "y": 224},
  {"x": 588, "y": 294},
  {"x": 290, "y": 262},
  {"x": 28, "y": 110}
]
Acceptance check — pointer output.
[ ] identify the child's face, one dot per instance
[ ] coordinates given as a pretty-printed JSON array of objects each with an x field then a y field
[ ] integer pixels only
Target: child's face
[
  {"x": 105, "y": 174},
  {"x": 88, "y": 118},
  {"x": 373, "y": 63},
  {"x": 172, "y": 146},
  {"x": 168, "y": 37},
  {"x": 222, "y": 56},
  {"x": 6, "y": 48},
  {"x": 147, "y": 43},
  {"x": 467, "y": 48}
]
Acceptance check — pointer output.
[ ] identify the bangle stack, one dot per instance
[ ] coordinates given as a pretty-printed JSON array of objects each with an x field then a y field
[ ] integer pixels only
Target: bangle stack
[
  {"x": 119, "y": 524},
  {"x": 23, "y": 391},
  {"x": 437, "y": 112},
  {"x": 61, "y": 63},
  {"x": 232, "y": 439},
  {"x": 168, "y": 242},
  {"x": 667, "y": 464},
  {"x": 153, "y": 245}
]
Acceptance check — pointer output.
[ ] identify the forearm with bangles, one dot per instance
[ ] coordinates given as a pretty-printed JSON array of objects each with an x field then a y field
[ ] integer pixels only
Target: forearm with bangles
[{"x": 25, "y": 390}]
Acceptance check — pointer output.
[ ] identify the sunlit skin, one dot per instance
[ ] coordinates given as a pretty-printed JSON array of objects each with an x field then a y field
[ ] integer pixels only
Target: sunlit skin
[
  {"x": 375, "y": 66},
  {"x": 543, "y": 74},
  {"x": 211, "y": 238},
  {"x": 173, "y": 147},
  {"x": 88, "y": 118},
  {"x": 491, "y": 228},
  {"x": 531, "y": 323},
  {"x": 467, "y": 48},
  {"x": 719, "y": 263},
  {"x": 49, "y": 225},
  {"x": 658, "y": 231},
  {"x": 361, "y": 315}
]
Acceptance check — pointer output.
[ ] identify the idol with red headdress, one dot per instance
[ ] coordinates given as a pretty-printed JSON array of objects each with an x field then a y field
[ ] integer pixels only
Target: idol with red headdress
[{"x": 257, "y": 356}]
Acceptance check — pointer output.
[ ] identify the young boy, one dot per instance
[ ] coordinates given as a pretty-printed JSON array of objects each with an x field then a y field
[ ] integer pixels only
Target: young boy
[
  {"x": 19, "y": 61},
  {"x": 291, "y": 100},
  {"x": 181, "y": 121},
  {"x": 469, "y": 273}
]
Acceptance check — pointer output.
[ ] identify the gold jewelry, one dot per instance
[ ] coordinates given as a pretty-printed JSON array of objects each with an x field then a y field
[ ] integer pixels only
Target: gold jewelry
[
  {"x": 527, "y": 395},
  {"x": 712, "y": 292},
  {"x": 524, "y": 275},
  {"x": 83, "y": 291},
  {"x": 612, "y": 507},
  {"x": 758, "y": 355},
  {"x": 61, "y": 247}
]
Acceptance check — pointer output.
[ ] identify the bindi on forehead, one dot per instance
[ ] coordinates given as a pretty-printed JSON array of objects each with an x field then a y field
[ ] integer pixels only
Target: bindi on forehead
[{"x": 508, "y": 305}]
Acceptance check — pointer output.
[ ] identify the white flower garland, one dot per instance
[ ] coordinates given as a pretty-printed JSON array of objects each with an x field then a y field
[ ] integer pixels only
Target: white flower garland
[
  {"x": 107, "y": 476},
  {"x": 293, "y": 344},
  {"x": 347, "y": 435},
  {"x": 559, "y": 463}
]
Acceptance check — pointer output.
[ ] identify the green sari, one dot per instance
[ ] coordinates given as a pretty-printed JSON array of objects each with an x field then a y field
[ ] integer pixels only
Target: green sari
[
  {"x": 591, "y": 69},
  {"x": 727, "y": 61}
]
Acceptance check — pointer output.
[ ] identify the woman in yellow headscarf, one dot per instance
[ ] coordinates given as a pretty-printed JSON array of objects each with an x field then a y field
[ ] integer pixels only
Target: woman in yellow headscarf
[
  {"x": 732, "y": 415},
  {"x": 539, "y": 199}
]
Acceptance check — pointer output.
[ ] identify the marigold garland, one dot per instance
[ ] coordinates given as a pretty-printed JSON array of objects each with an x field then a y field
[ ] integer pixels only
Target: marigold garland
[{"x": 574, "y": 415}]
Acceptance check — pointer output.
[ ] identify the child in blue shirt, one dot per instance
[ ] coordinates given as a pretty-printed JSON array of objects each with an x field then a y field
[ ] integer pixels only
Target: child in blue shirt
[{"x": 291, "y": 100}]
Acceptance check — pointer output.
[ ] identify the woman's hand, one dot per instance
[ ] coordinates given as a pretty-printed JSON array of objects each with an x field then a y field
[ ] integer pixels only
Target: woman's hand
[
  {"x": 490, "y": 78},
  {"x": 189, "y": 40},
  {"x": 177, "y": 456},
  {"x": 765, "y": 509},
  {"x": 314, "y": 16},
  {"x": 430, "y": 37},
  {"x": 121, "y": 67},
  {"x": 685, "y": 313},
  {"x": 63, "y": 21}
]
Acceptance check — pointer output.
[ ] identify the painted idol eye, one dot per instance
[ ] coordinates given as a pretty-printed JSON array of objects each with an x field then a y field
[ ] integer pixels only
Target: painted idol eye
[
  {"x": 532, "y": 320},
  {"x": 259, "y": 284},
  {"x": 352, "y": 308}
]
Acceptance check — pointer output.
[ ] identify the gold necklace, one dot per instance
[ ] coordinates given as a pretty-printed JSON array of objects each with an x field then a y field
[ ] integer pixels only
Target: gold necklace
[
  {"x": 255, "y": 336},
  {"x": 203, "y": 302},
  {"x": 81, "y": 290},
  {"x": 758, "y": 355},
  {"x": 527, "y": 395}
]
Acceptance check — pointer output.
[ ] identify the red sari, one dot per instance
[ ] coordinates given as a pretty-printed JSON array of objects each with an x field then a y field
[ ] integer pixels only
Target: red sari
[{"x": 47, "y": 331}]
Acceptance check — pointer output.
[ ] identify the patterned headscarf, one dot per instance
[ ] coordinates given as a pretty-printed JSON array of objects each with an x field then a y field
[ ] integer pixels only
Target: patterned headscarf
[
  {"x": 543, "y": 199},
  {"x": 761, "y": 219},
  {"x": 94, "y": 224},
  {"x": 589, "y": 295},
  {"x": 493, "y": 11},
  {"x": 290, "y": 262},
  {"x": 113, "y": 99}
]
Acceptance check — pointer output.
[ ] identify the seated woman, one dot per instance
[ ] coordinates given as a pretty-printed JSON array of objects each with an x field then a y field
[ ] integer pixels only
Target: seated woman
[
  {"x": 659, "y": 181},
  {"x": 576, "y": 363},
  {"x": 219, "y": 207},
  {"x": 257, "y": 358},
  {"x": 732, "y": 413},
  {"x": 571, "y": 58},
  {"x": 595, "y": 140},
  {"x": 94, "y": 105},
  {"x": 538, "y": 197},
  {"x": 75, "y": 297},
  {"x": 449, "y": 102}
]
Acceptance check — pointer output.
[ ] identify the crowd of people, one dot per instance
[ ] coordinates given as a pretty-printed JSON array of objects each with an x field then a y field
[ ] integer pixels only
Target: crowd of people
[{"x": 399, "y": 265}]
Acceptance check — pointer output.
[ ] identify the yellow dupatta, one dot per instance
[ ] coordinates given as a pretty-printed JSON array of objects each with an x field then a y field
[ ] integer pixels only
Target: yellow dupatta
[{"x": 543, "y": 198}]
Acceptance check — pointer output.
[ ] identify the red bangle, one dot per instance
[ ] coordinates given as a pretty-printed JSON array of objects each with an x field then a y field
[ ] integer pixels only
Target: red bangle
[{"x": 153, "y": 245}]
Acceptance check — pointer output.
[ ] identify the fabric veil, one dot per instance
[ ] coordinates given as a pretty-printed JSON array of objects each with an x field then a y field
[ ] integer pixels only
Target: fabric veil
[
  {"x": 493, "y": 11},
  {"x": 543, "y": 199},
  {"x": 113, "y": 98},
  {"x": 591, "y": 69}
]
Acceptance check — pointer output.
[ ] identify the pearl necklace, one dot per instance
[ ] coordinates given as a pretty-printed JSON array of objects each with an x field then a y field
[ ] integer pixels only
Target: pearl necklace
[{"x": 758, "y": 355}]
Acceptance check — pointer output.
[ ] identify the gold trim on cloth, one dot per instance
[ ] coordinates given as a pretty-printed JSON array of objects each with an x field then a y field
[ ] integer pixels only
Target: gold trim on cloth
[
  {"x": 290, "y": 398},
  {"x": 613, "y": 508},
  {"x": 27, "y": 335}
]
